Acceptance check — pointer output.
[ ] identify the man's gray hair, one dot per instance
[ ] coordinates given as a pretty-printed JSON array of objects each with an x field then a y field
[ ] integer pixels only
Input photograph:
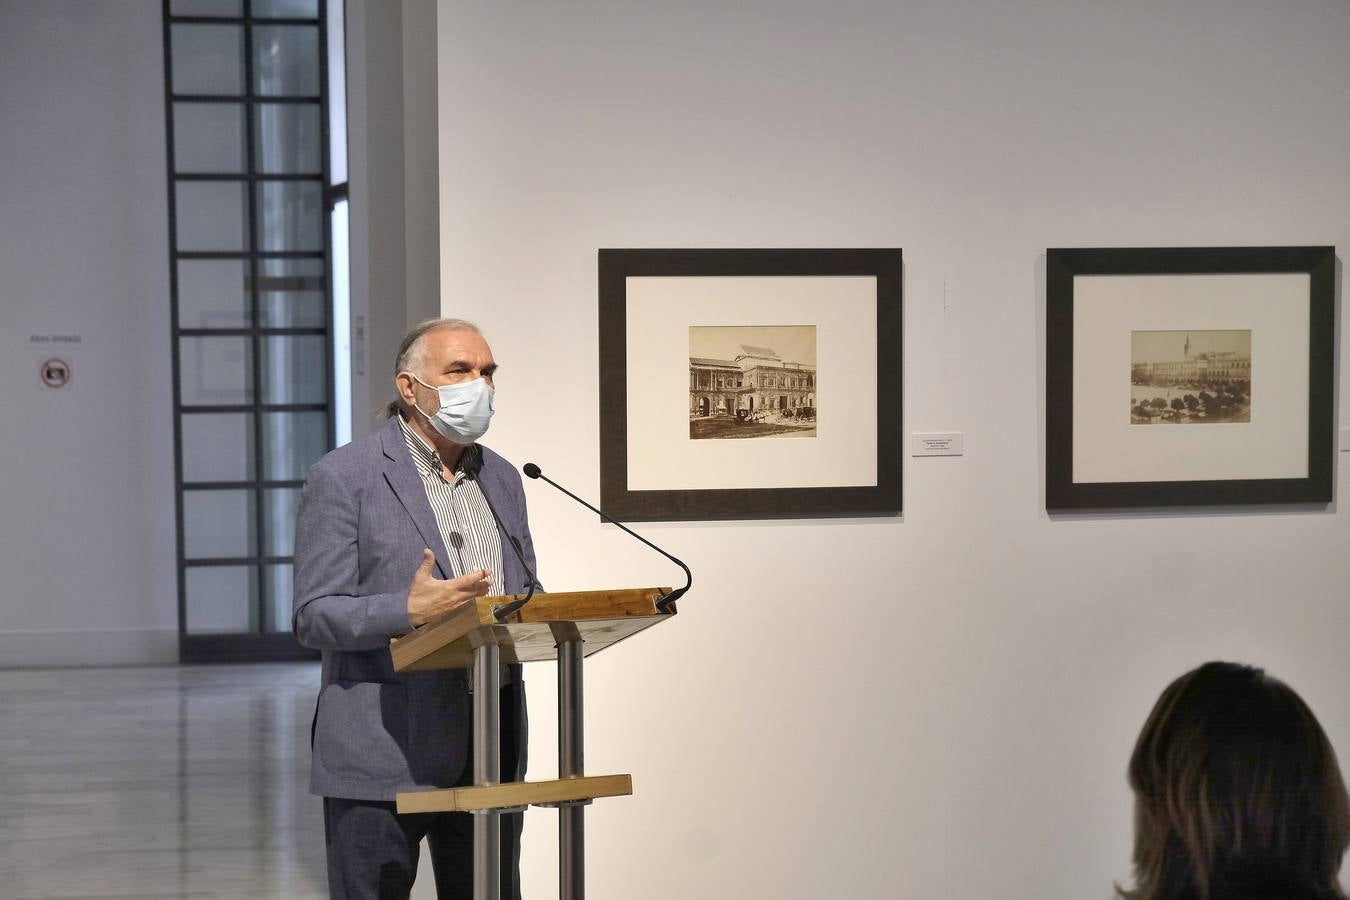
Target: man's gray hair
[{"x": 409, "y": 357}]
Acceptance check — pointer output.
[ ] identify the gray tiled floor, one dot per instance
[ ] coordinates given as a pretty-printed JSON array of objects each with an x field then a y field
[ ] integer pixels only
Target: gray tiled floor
[{"x": 158, "y": 782}]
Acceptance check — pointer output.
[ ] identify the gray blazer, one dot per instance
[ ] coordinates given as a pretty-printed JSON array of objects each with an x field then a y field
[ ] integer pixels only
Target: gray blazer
[{"x": 363, "y": 521}]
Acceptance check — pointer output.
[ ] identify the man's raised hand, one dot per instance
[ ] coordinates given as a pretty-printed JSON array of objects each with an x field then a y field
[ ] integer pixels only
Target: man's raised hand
[{"x": 429, "y": 596}]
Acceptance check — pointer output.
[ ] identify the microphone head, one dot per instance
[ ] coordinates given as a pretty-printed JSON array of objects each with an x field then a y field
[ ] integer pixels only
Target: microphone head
[
  {"x": 531, "y": 470},
  {"x": 471, "y": 463}
]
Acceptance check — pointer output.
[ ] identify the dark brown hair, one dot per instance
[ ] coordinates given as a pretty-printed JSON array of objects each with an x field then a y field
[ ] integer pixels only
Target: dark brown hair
[{"x": 1237, "y": 793}]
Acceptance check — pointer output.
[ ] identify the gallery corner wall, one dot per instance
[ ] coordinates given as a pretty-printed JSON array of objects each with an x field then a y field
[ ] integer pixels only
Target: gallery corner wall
[{"x": 391, "y": 143}]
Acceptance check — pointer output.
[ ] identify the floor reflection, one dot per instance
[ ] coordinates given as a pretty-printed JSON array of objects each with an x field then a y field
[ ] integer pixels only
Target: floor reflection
[{"x": 159, "y": 782}]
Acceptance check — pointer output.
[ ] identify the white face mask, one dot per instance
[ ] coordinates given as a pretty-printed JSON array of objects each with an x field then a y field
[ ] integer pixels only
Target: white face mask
[{"x": 465, "y": 410}]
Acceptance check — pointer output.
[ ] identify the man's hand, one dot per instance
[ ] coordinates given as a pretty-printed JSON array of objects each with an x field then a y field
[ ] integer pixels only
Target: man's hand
[{"x": 429, "y": 596}]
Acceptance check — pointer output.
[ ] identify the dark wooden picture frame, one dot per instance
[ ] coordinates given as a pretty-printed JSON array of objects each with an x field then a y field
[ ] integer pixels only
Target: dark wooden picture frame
[
  {"x": 883, "y": 498},
  {"x": 1064, "y": 265}
]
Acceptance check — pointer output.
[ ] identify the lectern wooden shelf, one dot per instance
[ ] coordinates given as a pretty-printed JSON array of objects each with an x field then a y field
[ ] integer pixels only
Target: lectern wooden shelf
[{"x": 562, "y": 627}]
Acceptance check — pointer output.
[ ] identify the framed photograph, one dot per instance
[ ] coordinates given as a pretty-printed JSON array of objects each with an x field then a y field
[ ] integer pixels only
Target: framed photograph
[
  {"x": 1189, "y": 376},
  {"x": 750, "y": 384}
]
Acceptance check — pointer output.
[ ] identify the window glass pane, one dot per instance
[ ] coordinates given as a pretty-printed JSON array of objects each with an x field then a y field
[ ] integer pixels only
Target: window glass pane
[
  {"x": 290, "y": 215},
  {"x": 337, "y": 94},
  {"x": 291, "y": 293},
  {"x": 208, "y": 137},
  {"x": 215, "y": 371},
  {"x": 342, "y": 330},
  {"x": 207, "y": 59},
  {"x": 286, "y": 60},
  {"x": 218, "y": 524},
  {"x": 221, "y": 599},
  {"x": 292, "y": 441},
  {"x": 279, "y": 581},
  {"x": 295, "y": 369},
  {"x": 217, "y": 446},
  {"x": 279, "y": 508},
  {"x": 211, "y": 293},
  {"x": 211, "y": 215},
  {"x": 205, "y": 8},
  {"x": 288, "y": 9},
  {"x": 288, "y": 138}
]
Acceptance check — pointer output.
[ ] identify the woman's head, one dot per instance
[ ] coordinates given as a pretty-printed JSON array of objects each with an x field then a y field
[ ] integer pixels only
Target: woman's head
[{"x": 1237, "y": 792}]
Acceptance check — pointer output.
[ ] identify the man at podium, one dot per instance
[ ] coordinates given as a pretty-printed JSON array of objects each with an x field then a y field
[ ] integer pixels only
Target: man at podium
[{"x": 394, "y": 529}]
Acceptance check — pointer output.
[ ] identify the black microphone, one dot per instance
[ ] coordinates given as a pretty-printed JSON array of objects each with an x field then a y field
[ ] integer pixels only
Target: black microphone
[
  {"x": 502, "y": 613},
  {"x": 533, "y": 471}
]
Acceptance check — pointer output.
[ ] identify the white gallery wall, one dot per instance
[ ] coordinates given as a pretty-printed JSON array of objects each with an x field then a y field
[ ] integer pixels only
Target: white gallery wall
[
  {"x": 939, "y": 705},
  {"x": 86, "y": 471}
]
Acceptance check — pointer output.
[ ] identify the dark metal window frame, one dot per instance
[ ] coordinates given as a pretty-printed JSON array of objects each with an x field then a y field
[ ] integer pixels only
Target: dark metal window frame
[{"x": 262, "y": 644}]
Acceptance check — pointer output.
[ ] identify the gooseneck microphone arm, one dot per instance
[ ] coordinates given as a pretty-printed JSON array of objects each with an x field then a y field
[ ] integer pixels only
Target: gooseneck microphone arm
[
  {"x": 502, "y": 613},
  {"x": 533, "y": 471}
]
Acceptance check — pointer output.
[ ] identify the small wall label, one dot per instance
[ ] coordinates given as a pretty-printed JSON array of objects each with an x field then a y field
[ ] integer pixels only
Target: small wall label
[{"x": 937, "y": 443}]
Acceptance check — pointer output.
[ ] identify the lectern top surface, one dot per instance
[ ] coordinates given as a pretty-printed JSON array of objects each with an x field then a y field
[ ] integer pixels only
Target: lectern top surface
[{"x": 598, "y": 618}]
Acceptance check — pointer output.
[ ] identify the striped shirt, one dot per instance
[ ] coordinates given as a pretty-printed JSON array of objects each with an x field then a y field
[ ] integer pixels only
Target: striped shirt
[{"x": 467, "y": 528}]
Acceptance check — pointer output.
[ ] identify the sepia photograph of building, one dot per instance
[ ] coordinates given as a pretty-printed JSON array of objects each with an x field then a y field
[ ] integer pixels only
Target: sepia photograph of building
[
  {"x": 1190, "y": 377},
  {"x": 752, "y": 381}
]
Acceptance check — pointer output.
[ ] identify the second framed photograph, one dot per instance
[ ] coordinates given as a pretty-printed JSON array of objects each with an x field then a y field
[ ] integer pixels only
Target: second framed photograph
[
  {"x": 740, "y": 384},
  {"x": 1189, "y": 376}
]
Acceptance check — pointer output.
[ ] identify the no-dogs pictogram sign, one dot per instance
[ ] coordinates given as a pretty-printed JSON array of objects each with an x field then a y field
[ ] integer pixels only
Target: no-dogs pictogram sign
[{"x": 55, "y": 372}]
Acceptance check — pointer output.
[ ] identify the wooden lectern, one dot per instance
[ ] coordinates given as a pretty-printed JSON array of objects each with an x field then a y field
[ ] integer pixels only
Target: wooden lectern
[{"x": 562, "y": 627}]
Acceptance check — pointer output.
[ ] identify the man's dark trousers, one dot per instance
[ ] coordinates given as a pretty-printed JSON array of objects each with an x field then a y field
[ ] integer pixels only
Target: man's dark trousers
[{"x": 373, "y": 851}]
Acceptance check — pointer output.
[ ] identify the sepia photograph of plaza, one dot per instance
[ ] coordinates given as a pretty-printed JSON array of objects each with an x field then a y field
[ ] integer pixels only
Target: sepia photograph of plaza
[
  {"x": 1190, "y": 377},
  {"x": 752, "y": 381}
]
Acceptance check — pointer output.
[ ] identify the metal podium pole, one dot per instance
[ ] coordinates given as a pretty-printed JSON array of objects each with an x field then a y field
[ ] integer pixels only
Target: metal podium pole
[
  {"x": 487, "y": 769},
  {"x": 571, "y": 822}
]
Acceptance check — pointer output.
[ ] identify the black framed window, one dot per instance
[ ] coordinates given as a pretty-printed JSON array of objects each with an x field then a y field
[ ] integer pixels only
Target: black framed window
[{"x": 250, "y": 250}]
